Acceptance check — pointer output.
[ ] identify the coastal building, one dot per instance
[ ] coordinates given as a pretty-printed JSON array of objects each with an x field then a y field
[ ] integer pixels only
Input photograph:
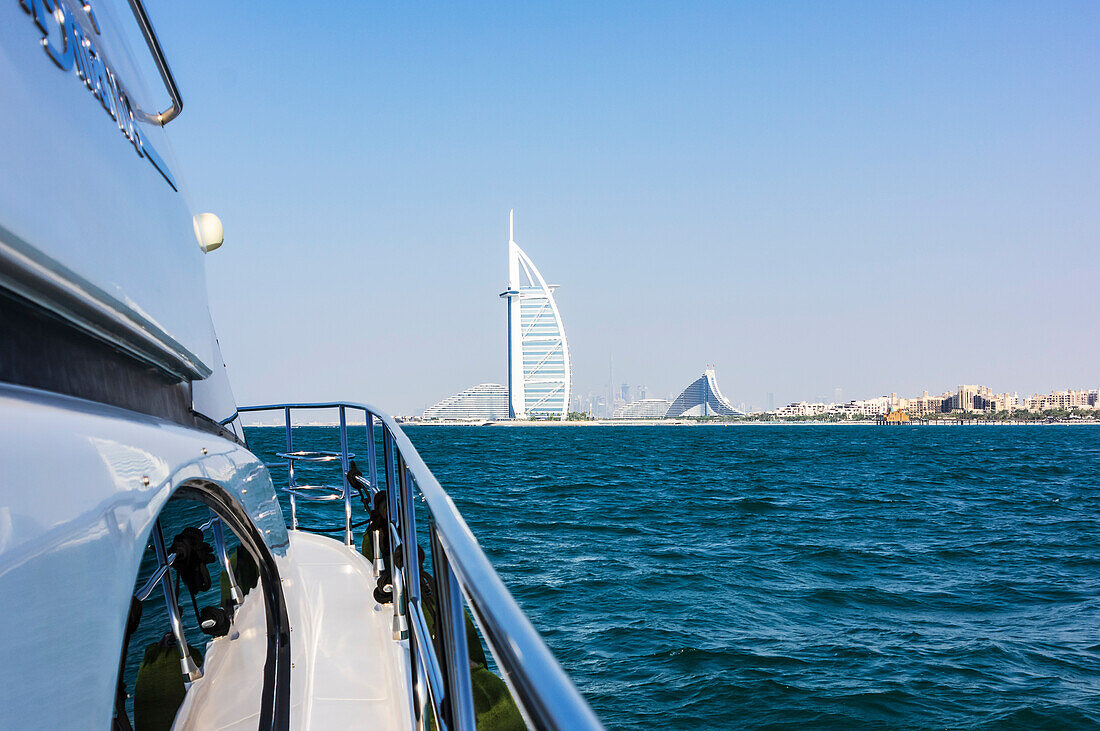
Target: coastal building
[
  {"x": 977, "y": 398},
  {"x": 872, "y": 406},
  {"x": 646, "y": 408},
  {"x": 1067, "y": 400},
  {"x": 972, "y": 398},
  {"x": 965, "y": 399},
  {"x": 801, "y": 408},
  {"x": 1006, "y": 402},
  {"x": 483, "y": 401},
  {"x": 539, "y": 371},
  {"x": 924, "y": 405},
  {"x": 702, "y": 398},
  {"x": 893, "y": 418},
  {"x": 847, "y": 410}
]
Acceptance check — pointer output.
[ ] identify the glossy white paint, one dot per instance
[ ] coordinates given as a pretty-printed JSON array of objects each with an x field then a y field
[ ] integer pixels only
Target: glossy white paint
[
  {"x": 227, "y": 696},
  {"x": 83, "y": 214},
  {"x": 75, "y": 515},
  {"x": 348, "y": 672},
  {"x": 213, "y": 395}
]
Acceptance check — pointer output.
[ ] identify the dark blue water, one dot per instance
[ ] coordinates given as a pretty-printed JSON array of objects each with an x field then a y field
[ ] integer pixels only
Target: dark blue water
[{"x": 798, "y": 576}]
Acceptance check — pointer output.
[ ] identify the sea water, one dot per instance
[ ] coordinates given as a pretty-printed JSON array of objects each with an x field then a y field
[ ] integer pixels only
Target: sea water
[{"x": 794, "y": 576}]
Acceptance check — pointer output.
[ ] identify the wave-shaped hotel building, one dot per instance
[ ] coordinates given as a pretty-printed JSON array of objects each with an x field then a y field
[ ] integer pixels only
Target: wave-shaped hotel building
[
  {"x": 539, "y": 370},
  {"x": 488, "y": 401},
  {"x": 702, "y": 398}
]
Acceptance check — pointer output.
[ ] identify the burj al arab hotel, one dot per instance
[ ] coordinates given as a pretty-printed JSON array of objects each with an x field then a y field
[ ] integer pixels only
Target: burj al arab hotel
[{"x": 539, "y": 370}]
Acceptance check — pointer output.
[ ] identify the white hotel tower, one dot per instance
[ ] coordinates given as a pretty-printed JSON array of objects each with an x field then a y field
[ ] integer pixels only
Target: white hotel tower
[{"x": 539, "y": 371}]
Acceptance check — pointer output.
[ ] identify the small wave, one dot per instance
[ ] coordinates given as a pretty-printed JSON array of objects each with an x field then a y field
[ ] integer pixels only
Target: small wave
[
  {"x": 1042, "y": 717},
  {"x": 755, "y": 505}
]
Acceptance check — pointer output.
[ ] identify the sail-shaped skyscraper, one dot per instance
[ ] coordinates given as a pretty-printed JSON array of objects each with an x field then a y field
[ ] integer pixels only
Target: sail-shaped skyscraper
[{"x": 539, "y": 370}]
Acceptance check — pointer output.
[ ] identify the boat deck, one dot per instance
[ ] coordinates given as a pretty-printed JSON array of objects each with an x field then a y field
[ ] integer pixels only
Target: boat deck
[
  {"x": 356, "y": 673},
  {"x": 348, "y": 671}
]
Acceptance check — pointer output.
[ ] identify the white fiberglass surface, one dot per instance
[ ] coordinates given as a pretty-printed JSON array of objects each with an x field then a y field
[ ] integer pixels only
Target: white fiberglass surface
[
  {"x": 348, "y": 670},
  {"x": 78, "y": 199},
  {"x": 228, "y": 694},
  {"x": 81, "y": 485}
]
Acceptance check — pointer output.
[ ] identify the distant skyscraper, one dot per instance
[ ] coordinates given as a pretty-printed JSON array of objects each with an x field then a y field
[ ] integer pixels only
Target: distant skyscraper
[
  {"x": 539, "y": 370},
  {"x": 642, "y": 393},
  {"x": 838, "y": 395},
  {"x": 624, "y": 393},
  {"x": 610, "y": 381},
  {"x": 771, "y": 401}
]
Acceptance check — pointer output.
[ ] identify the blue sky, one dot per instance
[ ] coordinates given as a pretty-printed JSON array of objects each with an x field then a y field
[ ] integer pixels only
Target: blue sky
[{"x": 872, "y": 196}]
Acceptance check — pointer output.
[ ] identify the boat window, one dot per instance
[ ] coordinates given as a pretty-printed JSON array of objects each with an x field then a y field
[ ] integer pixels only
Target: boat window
[{"x": 199, "y": 613}]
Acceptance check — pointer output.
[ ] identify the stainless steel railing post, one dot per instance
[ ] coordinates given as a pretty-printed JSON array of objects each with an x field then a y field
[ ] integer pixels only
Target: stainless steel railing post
[
  {"x": 187, "y": 664},
  {"x": 408, "y": 532},
  {"x": 420, "y": 692},
  {"x": 344, "y": 467},
  {"x": 391, "y": 477},
  {"x": 372, "y": 453},
  {"x": 290, "y": 470},
  {"x": 430, "y": 689},
  {"x": 372, "y": 458},
  {"x": 418, "y": 634},
  {"x": 397, "y": 583},
  {"x": 451, "y": 626},
  {"x": 400, "y": 624}
]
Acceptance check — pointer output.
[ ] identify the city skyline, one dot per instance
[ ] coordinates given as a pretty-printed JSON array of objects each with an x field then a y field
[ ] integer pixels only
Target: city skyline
[
  {"x": 925, "y": 402},
  {"x": 859, "y": 196}
]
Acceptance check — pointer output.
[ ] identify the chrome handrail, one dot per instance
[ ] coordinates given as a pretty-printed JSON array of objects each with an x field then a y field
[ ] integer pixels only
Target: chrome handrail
[
  {"x": 146, "y": 26},
  {"x": 545, "y": 695}
]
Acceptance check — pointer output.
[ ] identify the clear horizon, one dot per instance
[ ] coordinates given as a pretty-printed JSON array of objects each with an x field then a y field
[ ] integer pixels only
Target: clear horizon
[{"x": 872, "y": 198}]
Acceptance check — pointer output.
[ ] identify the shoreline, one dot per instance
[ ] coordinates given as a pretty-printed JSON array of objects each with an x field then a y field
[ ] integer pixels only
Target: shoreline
[
  {"x": 673, "y": 422},
  {"x": 676, "y": 422}
]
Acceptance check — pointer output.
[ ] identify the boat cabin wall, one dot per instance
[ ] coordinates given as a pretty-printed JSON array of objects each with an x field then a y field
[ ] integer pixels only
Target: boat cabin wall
[
  {"x": 83, "y": 484},
  {"x": 93, "y": 226}
]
